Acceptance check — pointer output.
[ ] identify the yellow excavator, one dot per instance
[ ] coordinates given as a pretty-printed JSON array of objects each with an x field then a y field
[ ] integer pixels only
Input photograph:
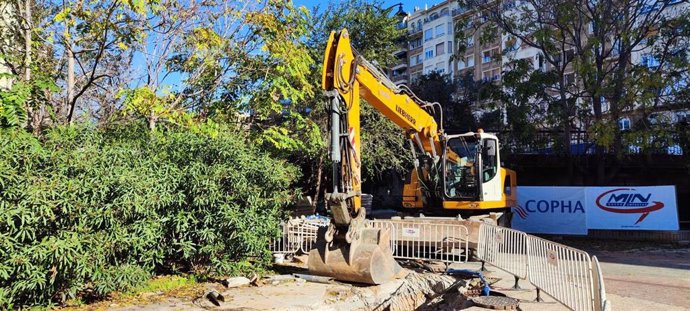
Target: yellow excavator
[{"x": 453, "y": 174}]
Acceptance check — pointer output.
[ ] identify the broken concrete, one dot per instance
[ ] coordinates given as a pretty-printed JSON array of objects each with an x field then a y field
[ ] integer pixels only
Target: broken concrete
[{"x": 236, "y": 282}]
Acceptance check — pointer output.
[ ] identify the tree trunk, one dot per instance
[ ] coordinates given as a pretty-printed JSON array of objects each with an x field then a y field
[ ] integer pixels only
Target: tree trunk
[
  {"x": 153, "y": 119},
  {"x": 70, "y": 72},
  {"x": 70, "y": 83},
  {"x": 27, "y": 40},
  {"x": 319, "y": 172}
]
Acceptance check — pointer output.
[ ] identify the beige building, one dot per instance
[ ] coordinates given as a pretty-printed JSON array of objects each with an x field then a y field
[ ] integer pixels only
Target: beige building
[
  {"x": 431, "y": 40},
  {"x": 481, "y": 59}
]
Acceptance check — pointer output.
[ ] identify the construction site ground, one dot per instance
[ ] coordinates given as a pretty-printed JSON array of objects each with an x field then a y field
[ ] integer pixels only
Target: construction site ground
[{"x": 638, "y": 276}]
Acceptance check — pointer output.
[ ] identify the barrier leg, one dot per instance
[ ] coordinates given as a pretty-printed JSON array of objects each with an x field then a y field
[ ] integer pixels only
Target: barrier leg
[
  {"x": 484, "y": 269},
  {"x": 539, "y": 299},
  {"x": 516, "y": 286}
]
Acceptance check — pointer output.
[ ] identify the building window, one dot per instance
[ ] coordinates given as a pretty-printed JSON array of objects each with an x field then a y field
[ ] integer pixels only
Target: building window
[
  {"x": 428, "y": 70},
  {"x": 624, "y": 124},
  {"x": 491, "y": 75},
  {"x": 470, "y": 41},
  {"x": 469, "y": 60},
  {"x": 486, "y": 75},
  {"x": 415, "y": 43},
  {"x": 487, "y": 56},
  {"x": 428, "y": 34},
  {"x": 429, "y": 53},
  {"x": 450, "y": 28},
  {"x": 444, "y": 12},
  {"x": 650, "y": 61},
  {"x": 440, "y": 31},
  {"x": 439, "y": 49},
  {"x": 449, "y": 44}
]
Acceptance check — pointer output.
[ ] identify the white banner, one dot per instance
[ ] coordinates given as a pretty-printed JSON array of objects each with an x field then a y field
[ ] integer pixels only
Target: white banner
[
  {"x": 551, "y": 210},
  {"x": 632, "y": 208}
]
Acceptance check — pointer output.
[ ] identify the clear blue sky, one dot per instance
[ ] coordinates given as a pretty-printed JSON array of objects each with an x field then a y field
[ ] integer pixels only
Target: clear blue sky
[{"x": 408, "y": 5}]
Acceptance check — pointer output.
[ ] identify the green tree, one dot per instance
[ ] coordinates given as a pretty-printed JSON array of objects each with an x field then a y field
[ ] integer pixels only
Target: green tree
[
  {"x": 457, "y": 98},
  {"x": 373, "y": 33}
]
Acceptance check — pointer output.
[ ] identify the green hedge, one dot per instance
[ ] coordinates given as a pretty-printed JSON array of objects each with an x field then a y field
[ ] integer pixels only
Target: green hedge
[{"x": 87, "y": 212}]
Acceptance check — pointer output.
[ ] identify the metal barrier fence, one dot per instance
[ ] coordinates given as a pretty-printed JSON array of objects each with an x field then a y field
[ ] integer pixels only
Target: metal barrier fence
[
  {"x": 286, "y": 243},
  {"x": 306, "y": 233},
  {"x": 427, "y": 241},
  {"x": 503, "y": 248},
  {"x": 565, "y": 273},
  {"x": 601, "y": 303}
]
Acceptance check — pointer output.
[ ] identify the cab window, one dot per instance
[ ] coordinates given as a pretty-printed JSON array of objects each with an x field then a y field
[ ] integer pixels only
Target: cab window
[
  {"x": 460, "y": 175},
  {"x": 489, "y": 159}
]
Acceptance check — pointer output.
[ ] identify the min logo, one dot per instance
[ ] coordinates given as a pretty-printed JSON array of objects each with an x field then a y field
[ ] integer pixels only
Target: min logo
[{"x": 628, "y": 201}]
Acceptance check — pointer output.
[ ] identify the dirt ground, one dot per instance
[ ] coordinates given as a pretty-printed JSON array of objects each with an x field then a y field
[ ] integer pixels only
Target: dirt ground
[{"x": 638, "y": 276}]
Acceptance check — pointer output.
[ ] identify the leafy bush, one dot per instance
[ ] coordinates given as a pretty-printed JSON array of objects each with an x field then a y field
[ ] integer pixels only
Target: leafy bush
[{"x": 84, "y": 211}]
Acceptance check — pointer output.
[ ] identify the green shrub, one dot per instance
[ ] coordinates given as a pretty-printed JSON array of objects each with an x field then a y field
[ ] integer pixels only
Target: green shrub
[{"x": 84, "y": 211}]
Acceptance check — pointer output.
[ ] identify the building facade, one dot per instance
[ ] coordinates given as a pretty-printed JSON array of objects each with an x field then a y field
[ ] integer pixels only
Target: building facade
[
  {"x": 431, "y": 39},
  {"x": 431, "y": 43}
]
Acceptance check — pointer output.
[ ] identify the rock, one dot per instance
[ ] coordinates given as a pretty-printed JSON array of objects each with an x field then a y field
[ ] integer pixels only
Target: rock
[
  {"x": 215, "y": 298},
  {"x": 236, "y": 282}
]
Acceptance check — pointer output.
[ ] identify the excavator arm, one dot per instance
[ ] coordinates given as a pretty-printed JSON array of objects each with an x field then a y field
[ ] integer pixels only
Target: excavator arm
[
  {"x": 347, "y": 249},
  {"x": 346, "y": 78}
]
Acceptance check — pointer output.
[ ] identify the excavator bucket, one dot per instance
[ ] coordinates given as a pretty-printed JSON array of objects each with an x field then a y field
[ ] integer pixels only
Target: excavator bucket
[{"x": 367, "y": 259}]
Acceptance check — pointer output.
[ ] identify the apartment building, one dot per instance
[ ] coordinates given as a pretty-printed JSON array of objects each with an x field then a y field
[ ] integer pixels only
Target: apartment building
[
  {"x": 482, "y": 58},
  {"x": 398, "y": 72},
  {"x": 431, "y": 40},
  {"x": 430, "y": 43}
]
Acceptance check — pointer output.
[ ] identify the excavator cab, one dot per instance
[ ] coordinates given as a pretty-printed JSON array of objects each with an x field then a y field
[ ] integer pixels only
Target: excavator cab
[
  {"x": 471, "y": 164},
  {"x": 470, "y": 181}
]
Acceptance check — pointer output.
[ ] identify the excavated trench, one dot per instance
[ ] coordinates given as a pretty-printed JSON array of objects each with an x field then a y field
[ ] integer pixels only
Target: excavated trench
[{"x": 416, "y": 291}]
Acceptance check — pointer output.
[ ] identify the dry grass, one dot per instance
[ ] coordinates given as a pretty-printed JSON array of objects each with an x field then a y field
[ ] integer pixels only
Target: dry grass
[{"x": 155, "y": 290}]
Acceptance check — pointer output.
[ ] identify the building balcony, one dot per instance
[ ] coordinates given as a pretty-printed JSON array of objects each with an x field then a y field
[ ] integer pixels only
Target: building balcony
[
  {"x": 413, "y": 32},
  {"x": 458, "y": 11},
  {"x": 401, "y": 65}
]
